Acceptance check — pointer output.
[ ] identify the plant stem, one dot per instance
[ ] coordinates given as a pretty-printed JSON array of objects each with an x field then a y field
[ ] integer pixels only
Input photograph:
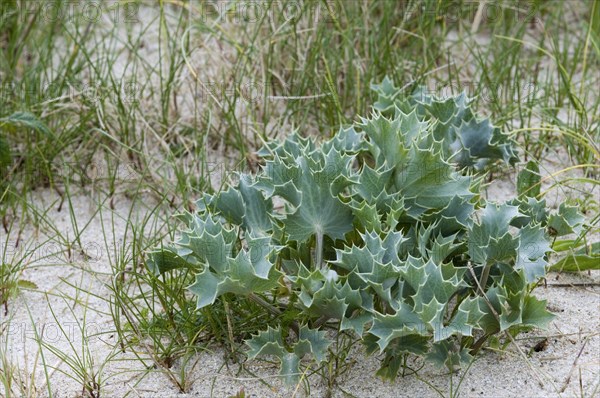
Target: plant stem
[
  {"x": 484, "y": 275},
  {"x": 319, "y": 253},
  {"x": 477, "y": 346},
  {"x": 321, "y": 321}
]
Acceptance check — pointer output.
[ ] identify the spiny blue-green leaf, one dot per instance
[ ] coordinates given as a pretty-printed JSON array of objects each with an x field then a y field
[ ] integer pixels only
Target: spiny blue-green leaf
[
  {"x": 535, "y": 313},
  {"x": 391, "y": 138},
  {"x": 367, "y": 216},
  {"x": 466, "y": 318},
  {"x": 290, "y": 368},
  {"x": 490, "y": 238},
  {"x": 210, "y": 249},
  {"x": 332, "y": 300},
  {"x": 398, "y": 214},
  {"x": 481, "y": 141},
  {"x": 430, "y": 280},
  {"x": 319, "y": 211},
  {"x": 260, "y": 252},
  {"x": 565, "y": 221},
  {"x": 270, "y": 342},
  {"x": 432, "y": 314},
  {"x": 203, "y": 241},
  {"x": 502, "y": 249},
  {"x": 279, "y": 177},
  {"x": 395, "y": 352},
  {"x": 337, "y": 170},
  {"x": 346, "y": 140},
  {"x": 456, "y": 216},
  {"x": 372, "y": 185},
  {"x": 449, "y": 111},
  {"x": 387, "y": 95},
  {"x": 356, "y": 322},
  {"x": 489, "y": 323},
  {"x": 449, "y": 354},
  {"x": 312, "y": 342},
  {"x": 531, "y": 210},
  {"x": 412, "y": 343},
  {"x": 508, "y": 309},
  {"x": 404, "y": 322},
  {"x": 266, "y": 342},
  {"x": 294, "y": 145},
  {"x": 249, "y": 272},
  {"x": 198, "y": 224},
  {"x": 206, "y": 287},
  {"x": 431, "y": 244},
  {"x": 511, "y": 279},
  {"x": 375, "y": 265},
  {"x": 429, "y": 182},
  {"x": 382, "y": 278},
  {"x": 445, "y": 110},
  {"x": 512, "y": 310},
  {"x": 167, "y": 258},
  {"x": 441, "y": 248},
  {"x": 230, "y": 204},
  {"x": 256, "y": 208},
  {"x": 463, "y": 321},
  {"x": 495, "y": 219},
  {"x": 385, "y": 250},
  {"x": 533, "y": 247},
  {"x": 467, "y": 141},
  {"x": 355, "y": 260}
]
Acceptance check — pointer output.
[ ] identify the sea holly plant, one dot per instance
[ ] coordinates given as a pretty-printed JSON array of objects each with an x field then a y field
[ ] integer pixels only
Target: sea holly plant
[
  {"x": 379, "y": 232},
  {"x": 469, "y": 142},
  {"x": 270, "y": 342}
]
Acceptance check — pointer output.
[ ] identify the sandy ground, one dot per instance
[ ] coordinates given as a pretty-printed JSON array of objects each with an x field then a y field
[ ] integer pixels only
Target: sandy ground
[{"x": 568, "y": 366}]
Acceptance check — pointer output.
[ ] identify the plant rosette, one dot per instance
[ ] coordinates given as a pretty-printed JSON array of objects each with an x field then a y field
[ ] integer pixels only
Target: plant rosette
[{"x": 381, "y": 233}]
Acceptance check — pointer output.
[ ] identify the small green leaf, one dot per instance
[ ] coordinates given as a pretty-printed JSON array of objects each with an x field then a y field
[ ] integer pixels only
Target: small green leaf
[
  {"x": 166, "y": 259},
  {"x": 26, "y": 119},
  {"x": 529, "y": 181},
  {"x": 25, "y": 284},
  {"x": 561, "y": 245},
  {"x": 577, "y": 263},
  {"x": 5, "y": 155}
]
